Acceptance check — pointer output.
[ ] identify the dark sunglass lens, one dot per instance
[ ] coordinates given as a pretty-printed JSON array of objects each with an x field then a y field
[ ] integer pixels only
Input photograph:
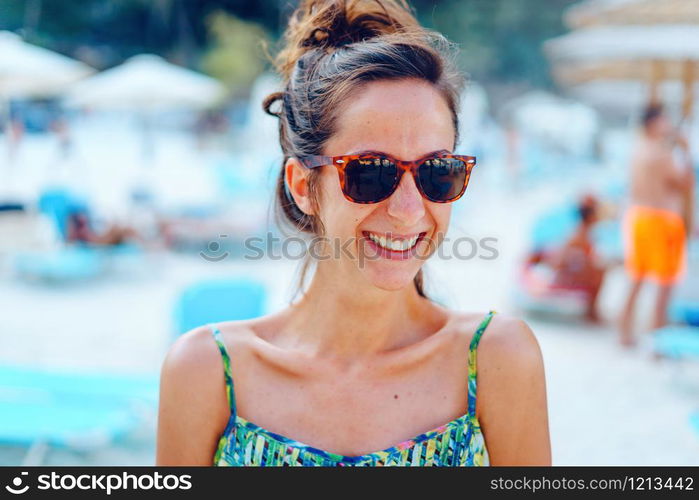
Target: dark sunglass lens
[
  {"x": 442, "y": 179},
  {"x": 370, "y": 179}
]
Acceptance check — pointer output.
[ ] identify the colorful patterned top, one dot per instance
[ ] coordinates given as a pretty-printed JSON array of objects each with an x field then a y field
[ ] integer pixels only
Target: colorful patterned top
[{"x": 456, "y": 443}]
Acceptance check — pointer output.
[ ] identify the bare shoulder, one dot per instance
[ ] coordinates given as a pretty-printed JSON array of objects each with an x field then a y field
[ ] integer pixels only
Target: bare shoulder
[
  {"x": 507, "y": 351},
  {"x": 511, "y": 399},
  {"x": 191, "y": 352},
  {"x": 503, "y": 335},
  {"x": 192, "y": 375},
  {"x": 508, "y": 340},
  {"x": 509, "y": 355},
  {"x": 195, "y": 356},
  {"x": 193, "y": 409}
]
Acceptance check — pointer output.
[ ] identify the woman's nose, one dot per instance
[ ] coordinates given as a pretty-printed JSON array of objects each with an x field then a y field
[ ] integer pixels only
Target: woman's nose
[{"x": 406, "y": 204}]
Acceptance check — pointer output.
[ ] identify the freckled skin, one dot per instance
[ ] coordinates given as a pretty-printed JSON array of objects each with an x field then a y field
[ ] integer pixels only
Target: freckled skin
[
  {"x": 403, "y": 130},
  {"x": 361, "y": 334}
]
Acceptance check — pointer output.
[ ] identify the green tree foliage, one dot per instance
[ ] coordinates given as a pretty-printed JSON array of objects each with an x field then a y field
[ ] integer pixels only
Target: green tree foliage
[
  {"x": 500, "y": 39},
  {"x": 236, "y": 56}
]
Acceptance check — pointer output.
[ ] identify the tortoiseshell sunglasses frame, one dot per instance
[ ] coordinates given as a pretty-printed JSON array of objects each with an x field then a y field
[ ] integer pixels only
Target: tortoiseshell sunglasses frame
[{"x": 341, "y": 162}]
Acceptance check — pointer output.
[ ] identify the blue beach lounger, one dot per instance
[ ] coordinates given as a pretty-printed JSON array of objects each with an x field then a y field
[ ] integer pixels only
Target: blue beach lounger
[
  {"x": 83, "y": 412},
  {"x": 69, "y": 264},
  {"x": 677, "y": 341},
  {"x": 212, "y": 301}
]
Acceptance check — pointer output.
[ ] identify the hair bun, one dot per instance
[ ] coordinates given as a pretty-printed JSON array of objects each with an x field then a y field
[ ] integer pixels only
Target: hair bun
[{"x": 331, "y": 24}]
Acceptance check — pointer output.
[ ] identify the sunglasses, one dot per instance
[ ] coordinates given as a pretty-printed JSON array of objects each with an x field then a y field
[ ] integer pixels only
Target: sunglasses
[{"x": 372, "y": 177}]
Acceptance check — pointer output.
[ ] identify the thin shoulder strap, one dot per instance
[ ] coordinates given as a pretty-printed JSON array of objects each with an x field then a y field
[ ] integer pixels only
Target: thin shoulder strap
[
  {"x": 230, "y": 393},
  {"x": 472, "y": 363}
]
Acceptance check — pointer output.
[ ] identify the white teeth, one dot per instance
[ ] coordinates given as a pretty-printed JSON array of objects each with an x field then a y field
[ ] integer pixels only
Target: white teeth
[{"x": 391, "y": 244}]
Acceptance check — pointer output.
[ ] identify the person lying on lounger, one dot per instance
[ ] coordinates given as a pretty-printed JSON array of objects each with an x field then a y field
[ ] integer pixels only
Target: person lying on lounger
[
  {"x": 80, "y": 230},
  {"x": 575, "y": 265}
]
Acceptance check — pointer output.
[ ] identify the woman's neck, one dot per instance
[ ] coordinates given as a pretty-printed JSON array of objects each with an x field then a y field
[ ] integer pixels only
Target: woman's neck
[{"x": 344, "y": 322}]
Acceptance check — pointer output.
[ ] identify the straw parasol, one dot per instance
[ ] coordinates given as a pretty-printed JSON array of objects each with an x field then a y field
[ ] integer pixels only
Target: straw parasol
[
  {"x": 625, "y": 12},
  {"x": 651, "y": 54}
]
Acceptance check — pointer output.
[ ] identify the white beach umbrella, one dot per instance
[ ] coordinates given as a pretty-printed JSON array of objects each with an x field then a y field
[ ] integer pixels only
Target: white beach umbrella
[
  {"x": 146, "y": 83},
  {"x": 29, "y": 70}
]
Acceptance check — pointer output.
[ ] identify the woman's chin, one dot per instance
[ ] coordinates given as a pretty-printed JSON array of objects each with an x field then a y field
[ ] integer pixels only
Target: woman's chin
[{"x": 389, "y": 280}]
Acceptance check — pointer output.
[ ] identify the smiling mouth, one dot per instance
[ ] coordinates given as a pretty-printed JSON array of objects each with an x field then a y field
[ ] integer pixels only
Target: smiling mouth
[{"x": 394, "y": 244}]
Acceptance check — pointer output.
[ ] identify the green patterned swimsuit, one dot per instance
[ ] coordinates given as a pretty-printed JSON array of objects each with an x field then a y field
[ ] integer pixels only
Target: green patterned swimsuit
[{"x": 456, "y": 443}]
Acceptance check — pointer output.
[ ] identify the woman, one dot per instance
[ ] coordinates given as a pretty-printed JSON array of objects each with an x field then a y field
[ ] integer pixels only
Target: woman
[{"x": 364, "y": 361}]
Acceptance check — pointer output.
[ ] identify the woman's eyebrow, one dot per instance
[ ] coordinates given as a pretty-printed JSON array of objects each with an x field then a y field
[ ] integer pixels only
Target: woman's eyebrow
[
  {"x": 382, "y": 153},
  {"x": 369, "y": 152}
]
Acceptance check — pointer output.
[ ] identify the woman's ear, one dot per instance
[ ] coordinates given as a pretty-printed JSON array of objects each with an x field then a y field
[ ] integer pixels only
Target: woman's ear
[{"x": 296, "y": 179}]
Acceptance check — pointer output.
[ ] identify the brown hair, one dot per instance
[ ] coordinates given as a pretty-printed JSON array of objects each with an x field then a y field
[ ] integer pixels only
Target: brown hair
[
  {"x": 650, "y": 113},
  {"x": 333, "y": 47}
]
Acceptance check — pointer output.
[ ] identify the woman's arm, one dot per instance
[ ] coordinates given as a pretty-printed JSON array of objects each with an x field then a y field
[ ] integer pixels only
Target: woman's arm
[
  {"x": 511, "y": 396},
  {"x": 193, "y": 410}
]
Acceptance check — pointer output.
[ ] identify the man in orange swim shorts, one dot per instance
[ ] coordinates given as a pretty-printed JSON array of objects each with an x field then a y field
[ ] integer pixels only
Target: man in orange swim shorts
[{"x": 658, "y": 220}]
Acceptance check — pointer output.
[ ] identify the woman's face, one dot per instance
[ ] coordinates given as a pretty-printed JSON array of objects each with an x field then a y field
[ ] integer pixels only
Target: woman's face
[{"x": 406, "y": 119}]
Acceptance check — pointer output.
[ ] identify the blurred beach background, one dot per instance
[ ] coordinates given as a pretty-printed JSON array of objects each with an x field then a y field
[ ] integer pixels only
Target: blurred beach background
[{"x": 136, "y": 161}]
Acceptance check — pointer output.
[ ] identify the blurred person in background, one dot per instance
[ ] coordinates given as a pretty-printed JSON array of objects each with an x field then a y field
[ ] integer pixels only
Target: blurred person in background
[
  {"x": 15, "y": 136},
  {"x": 513, "y": 155},
  {"x": 60, "y": 127},
  {"x": 659, "y": 218},
  {"x": 574, "y": 266},
  {"x": 80, "y": 229},
  {"x": 364, "y": 360}
]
